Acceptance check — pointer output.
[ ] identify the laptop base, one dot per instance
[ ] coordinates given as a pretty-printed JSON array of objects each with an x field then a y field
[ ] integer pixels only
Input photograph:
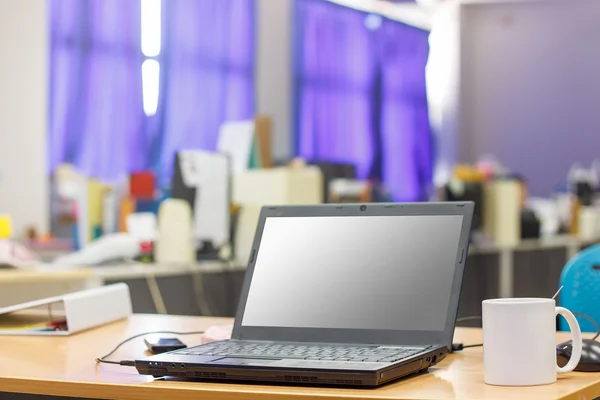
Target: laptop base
[{"x": 311, "y": 377}]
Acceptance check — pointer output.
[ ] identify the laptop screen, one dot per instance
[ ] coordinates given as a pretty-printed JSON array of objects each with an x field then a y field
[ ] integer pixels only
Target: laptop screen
[{"x": 354, "y": 272}]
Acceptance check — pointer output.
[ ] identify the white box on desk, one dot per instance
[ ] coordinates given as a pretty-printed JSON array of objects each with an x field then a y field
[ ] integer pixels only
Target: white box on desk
[
  {"x": 278, "y": 186},
  {"x": 82, "y": 310}
]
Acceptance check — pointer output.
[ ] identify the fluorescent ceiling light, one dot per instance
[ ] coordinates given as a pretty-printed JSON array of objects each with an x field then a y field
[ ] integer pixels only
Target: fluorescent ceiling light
[{"x": 151, "y": 27}]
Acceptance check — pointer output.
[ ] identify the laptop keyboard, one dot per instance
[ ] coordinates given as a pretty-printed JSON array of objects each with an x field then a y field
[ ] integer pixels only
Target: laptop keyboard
[{"x": 303, "y": 351}]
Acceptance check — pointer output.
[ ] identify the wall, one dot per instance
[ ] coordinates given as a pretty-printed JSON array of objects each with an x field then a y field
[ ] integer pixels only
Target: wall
[
  {"x": 529, "y": 86},
  {"x": 23, "y": 103},
  {"x": 274, "y": 71}
]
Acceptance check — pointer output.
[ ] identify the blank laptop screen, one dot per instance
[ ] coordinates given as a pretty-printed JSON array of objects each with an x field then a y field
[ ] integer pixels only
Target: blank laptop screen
[{"x": 374, "y": 272}]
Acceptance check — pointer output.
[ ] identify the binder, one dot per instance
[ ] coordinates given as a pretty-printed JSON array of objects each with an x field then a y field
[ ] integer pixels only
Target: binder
[
  {"x": 73, "y": 312},
  {"x": 263, "y": 135}
]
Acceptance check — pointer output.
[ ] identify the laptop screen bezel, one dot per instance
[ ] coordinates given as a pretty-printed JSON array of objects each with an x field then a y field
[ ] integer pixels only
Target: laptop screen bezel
[{"x": 363, "y": 336}]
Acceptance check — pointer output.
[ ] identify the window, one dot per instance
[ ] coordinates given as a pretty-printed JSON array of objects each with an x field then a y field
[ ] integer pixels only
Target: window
[{"x": 151, "y": 43}]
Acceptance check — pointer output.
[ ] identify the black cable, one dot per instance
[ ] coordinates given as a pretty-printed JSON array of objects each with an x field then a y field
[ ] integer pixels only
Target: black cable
[
  {"x": 460, "y": 346},
  {"x": 131, "y": 363},
  {"x": 579, "y": 314},
  {"x": 472, "y": 318},
  {"x": 472, "y": 345},
  {"x": 127, "y": 363}
]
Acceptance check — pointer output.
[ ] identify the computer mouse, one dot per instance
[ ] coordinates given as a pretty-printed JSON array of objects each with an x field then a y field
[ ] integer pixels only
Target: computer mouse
[{"x": 590, "y": 355}]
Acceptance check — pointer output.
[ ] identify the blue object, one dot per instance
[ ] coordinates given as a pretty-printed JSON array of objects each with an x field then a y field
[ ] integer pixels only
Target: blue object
[
  {"x": 75, "y": 235},
  {"x": 150, "y": 205},
  {"x": 581, "y": 291},
  {"x": 96, "y": 232}
]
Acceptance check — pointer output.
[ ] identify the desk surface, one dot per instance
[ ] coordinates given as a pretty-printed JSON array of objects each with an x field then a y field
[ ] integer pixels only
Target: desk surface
[
  {"x": 38, "y": 275},
  {"x": 138, "y": 270},
  {"x": 64, "y": 366},
  {"x": 114, "y": 272}
]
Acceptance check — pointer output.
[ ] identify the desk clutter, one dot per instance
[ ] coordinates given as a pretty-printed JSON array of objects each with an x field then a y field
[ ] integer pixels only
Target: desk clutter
[
  {"x": 215, "y": 220},
  {"x": 208, "y": 206},
  {"x": 192, "y": 218},
  {"x": 505, "y": 213}
]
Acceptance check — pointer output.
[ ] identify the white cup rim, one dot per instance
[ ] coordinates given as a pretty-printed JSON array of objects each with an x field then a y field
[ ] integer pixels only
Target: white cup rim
[{"x": 518, "y": 300}]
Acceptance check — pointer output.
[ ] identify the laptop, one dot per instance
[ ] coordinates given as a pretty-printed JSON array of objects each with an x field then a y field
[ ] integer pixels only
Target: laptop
[{"x": 340, "y": 294}]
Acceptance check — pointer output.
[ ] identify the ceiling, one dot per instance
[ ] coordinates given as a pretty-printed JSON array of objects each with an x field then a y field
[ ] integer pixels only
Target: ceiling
[{"x": 406, "y": 11}]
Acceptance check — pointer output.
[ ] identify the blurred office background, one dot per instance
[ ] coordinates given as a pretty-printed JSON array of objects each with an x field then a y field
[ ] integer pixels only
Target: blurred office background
[{"x": 105, "y": 104}]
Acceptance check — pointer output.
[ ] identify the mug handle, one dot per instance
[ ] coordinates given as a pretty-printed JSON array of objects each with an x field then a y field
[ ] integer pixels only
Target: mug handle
[{"x": 577, "y": 341}]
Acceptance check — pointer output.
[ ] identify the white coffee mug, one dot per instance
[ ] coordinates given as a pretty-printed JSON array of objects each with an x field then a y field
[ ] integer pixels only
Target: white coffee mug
[{"x": 519, "y": 341}]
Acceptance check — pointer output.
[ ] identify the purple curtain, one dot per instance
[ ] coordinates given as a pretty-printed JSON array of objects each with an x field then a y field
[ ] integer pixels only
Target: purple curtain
[
  {"x": 360, "y": 95},
  {"x": 333, "y": 84},
  {"x": 96, "y": 115},
  {"x": 208, "y": 73},
  {"x": 97, "y": 119},
  {"x": 405, "y": 130}
]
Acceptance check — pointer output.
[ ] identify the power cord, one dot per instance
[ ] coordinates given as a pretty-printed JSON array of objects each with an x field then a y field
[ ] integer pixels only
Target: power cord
[
  {"x": 465, "y": 319},
  {"x": 131, "y": 363},
  {"x": 591, "y": 320},
  {"x": 460, "y": 346}
]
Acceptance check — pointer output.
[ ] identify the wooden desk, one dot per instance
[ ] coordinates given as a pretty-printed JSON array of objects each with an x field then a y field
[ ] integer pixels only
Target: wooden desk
[
  {"x": 64, "y": 366},
  {"x": 12, "y": 276},
  {"x": 138, "y": 270}
]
